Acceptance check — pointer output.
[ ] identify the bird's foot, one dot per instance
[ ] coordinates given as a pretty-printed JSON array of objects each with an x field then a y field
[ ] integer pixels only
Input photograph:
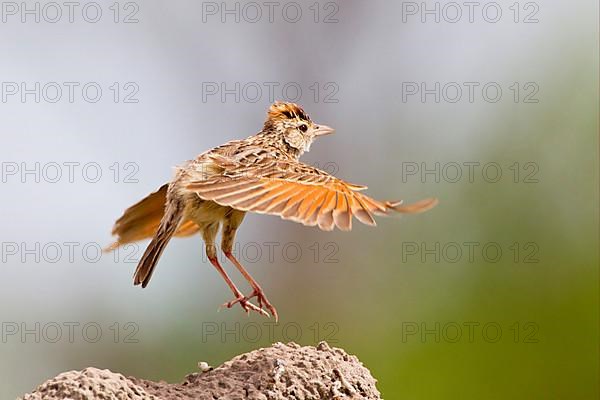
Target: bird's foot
[
  {"x": 245, "y": 304},
  {"x": 262, "y": 300}
]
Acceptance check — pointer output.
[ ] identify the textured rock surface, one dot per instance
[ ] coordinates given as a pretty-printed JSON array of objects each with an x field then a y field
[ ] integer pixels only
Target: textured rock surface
[{"x": 277, "y": 372}]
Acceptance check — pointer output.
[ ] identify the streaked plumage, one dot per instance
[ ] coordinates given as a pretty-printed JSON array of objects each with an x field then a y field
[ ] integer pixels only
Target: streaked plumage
[{"x": 259, "y": 174}]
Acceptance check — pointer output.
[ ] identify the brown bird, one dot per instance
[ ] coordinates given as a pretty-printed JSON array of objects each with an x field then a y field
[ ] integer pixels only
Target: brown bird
[{"x": 260, "y": 174}]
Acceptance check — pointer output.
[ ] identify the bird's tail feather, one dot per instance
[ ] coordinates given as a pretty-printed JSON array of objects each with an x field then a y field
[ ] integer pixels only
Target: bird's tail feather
[
  {"x": 168, "y": 227},
  {"x": 141, "y": 220}
]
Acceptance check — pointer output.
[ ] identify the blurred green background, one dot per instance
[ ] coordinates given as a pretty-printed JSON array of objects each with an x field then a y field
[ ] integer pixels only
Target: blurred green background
[{"x": 430, "y": 323}]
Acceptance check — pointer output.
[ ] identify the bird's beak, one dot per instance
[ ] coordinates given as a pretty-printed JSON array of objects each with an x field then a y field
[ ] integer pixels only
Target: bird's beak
[{"x": 322, "y": 130}]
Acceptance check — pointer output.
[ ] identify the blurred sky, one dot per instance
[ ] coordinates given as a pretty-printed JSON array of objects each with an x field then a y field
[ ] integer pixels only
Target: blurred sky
[{"x": 355, "y": 72}]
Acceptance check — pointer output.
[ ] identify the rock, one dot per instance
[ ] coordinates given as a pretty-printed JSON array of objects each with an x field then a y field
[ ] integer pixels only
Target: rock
[{"x": 279, "y": 372}]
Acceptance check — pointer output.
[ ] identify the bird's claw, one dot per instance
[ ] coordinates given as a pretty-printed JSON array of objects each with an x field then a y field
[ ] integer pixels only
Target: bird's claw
[
  {"x": 262, "y": 300},
  {"x": 246, "y": 305}
]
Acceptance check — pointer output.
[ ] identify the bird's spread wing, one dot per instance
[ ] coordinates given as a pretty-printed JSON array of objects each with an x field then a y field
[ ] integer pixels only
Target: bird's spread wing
[{"x": 294, "y": 191}]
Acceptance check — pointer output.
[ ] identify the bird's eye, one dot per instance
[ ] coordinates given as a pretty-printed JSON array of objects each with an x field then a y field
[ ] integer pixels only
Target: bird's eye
[{"x": 303, "y": 128}]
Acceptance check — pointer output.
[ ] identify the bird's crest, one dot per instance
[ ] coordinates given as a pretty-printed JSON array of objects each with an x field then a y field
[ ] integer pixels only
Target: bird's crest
[{"x": 281, "y": 110}]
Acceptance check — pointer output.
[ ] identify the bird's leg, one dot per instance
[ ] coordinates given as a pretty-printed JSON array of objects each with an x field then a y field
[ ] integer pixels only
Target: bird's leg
[
  {"x": 239, "y": 297},
  {"x": 229, "y": 228},
  {"x": 211, "y": 252},
  {"x": 256, "y": 289}
]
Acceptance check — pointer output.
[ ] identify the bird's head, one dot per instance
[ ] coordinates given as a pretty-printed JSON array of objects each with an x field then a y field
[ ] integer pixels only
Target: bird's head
[{"x": 291, "y": 122}]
